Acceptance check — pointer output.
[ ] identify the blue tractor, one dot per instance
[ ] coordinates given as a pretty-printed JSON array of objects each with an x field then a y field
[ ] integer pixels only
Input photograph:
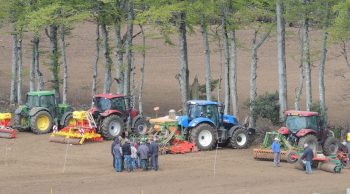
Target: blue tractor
[{"x": 206, "y": 125}]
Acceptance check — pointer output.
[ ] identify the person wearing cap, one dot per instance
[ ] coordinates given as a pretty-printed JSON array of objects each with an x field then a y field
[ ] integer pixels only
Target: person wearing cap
[
  {"x": 276, "y": 149},
  {"x": 307, "y": 156},
  {"x": 126, "y": 148},
  {"x": 143, "y": 152}
]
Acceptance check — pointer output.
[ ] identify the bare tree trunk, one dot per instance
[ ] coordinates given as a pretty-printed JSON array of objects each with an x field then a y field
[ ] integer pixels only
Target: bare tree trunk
[
  {"x": 344, "y": 52},
  {"x": 142, "y": 68},
  {"x": 233, "y": 73},
  {"x": 119, "y": 58},
  {"x": 108, "y": 60},
  {"x": 97, "y": 58},
  {"x": 14, "y": 66},
  {"x": 32, "y": 70},
  {"x": 128, "y": 49},
  {"x": 299, "y": 88},
  {"x": 184, "y": 72},
  {"x": 204, "y": 31},
  {"x": 20, "y": 70},
  {"x": 226, "y": 62},
  {"x": 306, "y": 62},
  {"x": 282, "y": 72},
  {"x": 38, "y": 75},
  {"x": 54, "y": 60},
  {"x": 65, "y": 66},
  {"x": 253, "y": 75}
]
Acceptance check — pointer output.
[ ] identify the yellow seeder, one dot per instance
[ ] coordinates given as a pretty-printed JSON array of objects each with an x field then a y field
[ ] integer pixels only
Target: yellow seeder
[
  {"x": 84, "y": 128},
  {"x": 5, "y": 130}
]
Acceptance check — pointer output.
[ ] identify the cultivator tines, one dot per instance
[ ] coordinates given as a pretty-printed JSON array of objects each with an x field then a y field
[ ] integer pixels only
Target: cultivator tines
[
  {"x": 267, "y": 154},
  {"x": 84, "y": 130},
  {"x": 5, "y": 130}
]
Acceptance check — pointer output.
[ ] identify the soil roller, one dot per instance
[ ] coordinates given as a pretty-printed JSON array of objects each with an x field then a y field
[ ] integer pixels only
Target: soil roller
[
  {"x": 5, "y": 130},
  {"x": 83, "y": 129}
]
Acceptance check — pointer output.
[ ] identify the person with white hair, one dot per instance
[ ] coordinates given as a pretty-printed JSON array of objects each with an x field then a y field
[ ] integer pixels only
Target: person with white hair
[
  {"x": 307, "y": 156},
  {"x": 276, "y": 149}
]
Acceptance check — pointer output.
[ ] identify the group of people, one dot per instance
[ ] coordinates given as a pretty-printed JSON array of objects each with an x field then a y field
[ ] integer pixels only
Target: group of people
[
  {"x": 129, "y": 155},
  {"x": 308, "y": 154}
]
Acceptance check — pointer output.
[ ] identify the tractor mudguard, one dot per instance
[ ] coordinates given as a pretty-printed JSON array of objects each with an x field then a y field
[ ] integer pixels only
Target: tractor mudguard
[
  {"x": 182, "y": 121},
  {"x": 64, "y": 116},
  {"x": 200, "y": 120},
  {"x": 303, "y": 132},
  {"x": 230, "y": 119},
  {"x": 35, "y": 110},
  {"x": 109, "y": 112},
  {"x": 233, "y": 129},
  {"x": 283, "y": 130}
]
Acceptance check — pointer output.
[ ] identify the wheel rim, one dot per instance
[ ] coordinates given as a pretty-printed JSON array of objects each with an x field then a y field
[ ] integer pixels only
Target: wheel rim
[
  {"x": 114, "y": 128},
  {"x": 205, "y": 138},
  {"x": 241, "y": 139},
  {"x": 141, "y": 129},
  {"x": 43, "y": 122}
]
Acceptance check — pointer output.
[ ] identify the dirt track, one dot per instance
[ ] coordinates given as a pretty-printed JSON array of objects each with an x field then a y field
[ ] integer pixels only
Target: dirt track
[{"x": 35, "y": 165}]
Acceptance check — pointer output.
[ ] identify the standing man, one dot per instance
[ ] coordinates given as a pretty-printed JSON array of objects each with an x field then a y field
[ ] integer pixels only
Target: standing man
[
  {"x": 143, "y": 152},
  {"x": 117, "y": 152},
  {"x": 154, "y": 154},
  {"x": 307, "y": 156},
  {"x": 116, "y": 141},
  {"x": 126, "y": 148},
  {"x": 276, "y": 149}
]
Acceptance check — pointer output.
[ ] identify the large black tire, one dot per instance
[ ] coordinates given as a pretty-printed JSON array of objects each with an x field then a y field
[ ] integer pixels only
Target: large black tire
[
  {"x": 69, "y": 120},
  {"x": 292, "y": 156},
  {"x": 204, "y": 137},
  {"x": 330, "y": 146},
  {"x": 19, "y": 122},
  {"x": 112, "y": 126},
  {"x": 141, "y": 126},
  {"x": 311, "y": 140},
  {"x": 239, "y": 139},
  {"x": 41, "y": 122}
]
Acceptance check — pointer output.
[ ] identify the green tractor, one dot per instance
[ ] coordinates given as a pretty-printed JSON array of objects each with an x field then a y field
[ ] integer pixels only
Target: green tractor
[{"x": 40, "y": 112}]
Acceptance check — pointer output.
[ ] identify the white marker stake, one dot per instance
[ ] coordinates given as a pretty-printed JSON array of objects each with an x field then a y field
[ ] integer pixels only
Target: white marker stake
[
  {"x": 65, "y": 158},
  {"x": 6, "y": 155}
]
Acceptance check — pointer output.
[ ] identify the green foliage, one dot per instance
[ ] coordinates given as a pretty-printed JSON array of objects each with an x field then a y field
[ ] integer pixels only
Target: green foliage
[{"x": 266, "y": 106}]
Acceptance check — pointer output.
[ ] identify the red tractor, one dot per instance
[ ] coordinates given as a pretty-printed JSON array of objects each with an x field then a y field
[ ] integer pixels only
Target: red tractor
[
  {"x": 305, "y": 127},
  {"x": 113, "y": 113}
]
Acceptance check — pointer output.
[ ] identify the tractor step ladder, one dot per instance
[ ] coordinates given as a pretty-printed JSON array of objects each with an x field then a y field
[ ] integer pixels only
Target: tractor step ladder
[{"x": 90, "y": 119}]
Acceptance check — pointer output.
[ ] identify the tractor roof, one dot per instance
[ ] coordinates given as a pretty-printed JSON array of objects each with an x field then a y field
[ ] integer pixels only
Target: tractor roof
[
  {"x": 202, "y": 102},
  {"x": 300, "y": 113},
  {"x": 41, "y": 93},
  {"x": 109, "y": 96}
]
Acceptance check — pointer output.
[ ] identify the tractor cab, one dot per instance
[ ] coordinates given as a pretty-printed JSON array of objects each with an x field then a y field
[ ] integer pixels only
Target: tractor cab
[{"x": 203, "y": 109}]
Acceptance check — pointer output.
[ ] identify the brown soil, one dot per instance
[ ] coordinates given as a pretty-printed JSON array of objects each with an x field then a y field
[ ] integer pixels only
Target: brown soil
[{"x": 31, "y": 164}]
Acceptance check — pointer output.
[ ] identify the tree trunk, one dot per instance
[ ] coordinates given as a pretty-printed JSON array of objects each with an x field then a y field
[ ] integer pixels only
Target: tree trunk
[
  {"x": 299, "y": 88},
  {"x": 32, "y": 70},
  {"x": 128, "y": 50},
  {"x": 97, "y": 57},
  {"x": 14, "y": 66},
  {"x": 108, "y": 60},
  {"x": 233, "y": 73},
  {"x": 65, "y": 66},
  {"x": 39, "y": 76},
  {"x": 306, "y": 63},
  {"x": 282, "y": 72},
  {"x": 20, "y": 71},
  {"x": 321, "y": 85},
  {"x": 119, "y": 57},
  {"x": 54, "y": 61},
  {"x": 184, "y": 72},
  {"x": 204, "y": 31},
  {"x": 142, "y": 68},
  {"x": 226, "y": 62}
]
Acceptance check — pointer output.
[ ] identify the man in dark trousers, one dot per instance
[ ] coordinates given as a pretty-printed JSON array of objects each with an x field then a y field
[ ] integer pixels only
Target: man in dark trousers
[
  {"x": 307, "y": 156},
  {"x": 143, "y": 152},
  {"x": 154, "y": 154},
  {"x": 116, "y": 141},
  {"x": 117, "y": 151},
  {"x": 126, "y": 149}
]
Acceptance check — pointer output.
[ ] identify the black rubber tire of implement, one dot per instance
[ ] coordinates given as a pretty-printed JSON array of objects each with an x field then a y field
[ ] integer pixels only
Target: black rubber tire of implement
[{"x": 291, "y": 160}]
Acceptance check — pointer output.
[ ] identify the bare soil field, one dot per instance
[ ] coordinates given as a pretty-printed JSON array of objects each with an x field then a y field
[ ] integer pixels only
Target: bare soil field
[{"x": 32, "y": 164}]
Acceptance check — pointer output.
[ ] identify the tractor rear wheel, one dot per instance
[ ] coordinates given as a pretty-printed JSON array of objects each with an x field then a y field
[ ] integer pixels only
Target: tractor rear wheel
[
  {"x": 239, "y": 138},
  {"x": 141, "y": 126},
  {"x": 41, "y": 122},
  {"x": 112, "y": 126},
  {"x": 330, "y": 146},
  {"x": 311, "y": 140},
  {"x": 204, "y": 137},
  {"x": 19, "y": 122}
]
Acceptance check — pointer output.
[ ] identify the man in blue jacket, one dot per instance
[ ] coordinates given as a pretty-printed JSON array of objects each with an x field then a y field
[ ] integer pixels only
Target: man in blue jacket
[
  {"x": 307, "y": 156},
  {"x": 276, "y": 149}
]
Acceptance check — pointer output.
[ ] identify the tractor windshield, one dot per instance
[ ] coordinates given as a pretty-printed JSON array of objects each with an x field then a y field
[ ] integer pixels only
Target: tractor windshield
[
  {"x": 208, "y": 111},
  {"x": 32, "y": 101},
  {"x": 47, "y": 101},
  {"x": 102, "y": 104},
  {"x": 295, "y": 123}
]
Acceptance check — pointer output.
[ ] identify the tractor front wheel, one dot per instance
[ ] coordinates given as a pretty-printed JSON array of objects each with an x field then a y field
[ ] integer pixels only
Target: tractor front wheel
[
  {"x": 311, "y": 140},
  {"x": 41, "y": 122},
  {"x": 141, "y": 126},
  {"x": 112, "y": 126},
  {"x": 330, "y": 146},
  {"x": 239, "y": 139},
  {"x": 203, "y": 136}
]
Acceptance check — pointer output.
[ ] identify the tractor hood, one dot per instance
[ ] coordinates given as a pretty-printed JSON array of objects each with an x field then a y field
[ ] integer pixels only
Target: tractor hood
[{"x": 299, "y": 133}]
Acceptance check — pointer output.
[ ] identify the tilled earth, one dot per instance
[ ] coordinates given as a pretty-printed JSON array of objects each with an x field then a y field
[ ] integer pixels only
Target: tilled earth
[{"x": 32, "y": 164}]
